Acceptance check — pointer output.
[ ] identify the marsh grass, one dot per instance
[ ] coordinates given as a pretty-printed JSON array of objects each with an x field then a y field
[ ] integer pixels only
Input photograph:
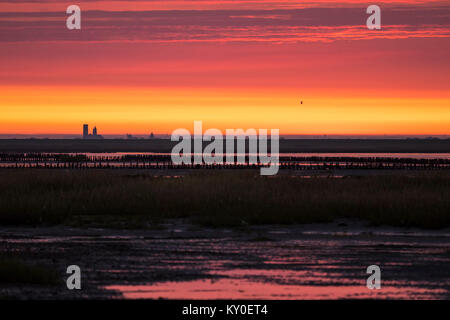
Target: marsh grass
[
  {"x": 217, "y": 198},
  {"x": 15, "y": 271}
]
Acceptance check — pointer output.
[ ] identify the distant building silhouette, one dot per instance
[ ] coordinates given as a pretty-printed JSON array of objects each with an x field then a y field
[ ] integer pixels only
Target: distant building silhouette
[
  {"x": 85, "y": 131},
  {"x": 93, "y": 136}
]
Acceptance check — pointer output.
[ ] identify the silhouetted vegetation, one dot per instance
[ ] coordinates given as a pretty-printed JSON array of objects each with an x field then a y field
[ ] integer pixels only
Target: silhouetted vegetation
[
  {"x": 164, "y": 161},
  {"x": 229, "y": 198}
]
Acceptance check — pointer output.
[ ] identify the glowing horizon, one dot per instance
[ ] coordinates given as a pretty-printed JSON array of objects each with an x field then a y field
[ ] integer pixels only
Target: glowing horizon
[{"x": 149, "y": 110}]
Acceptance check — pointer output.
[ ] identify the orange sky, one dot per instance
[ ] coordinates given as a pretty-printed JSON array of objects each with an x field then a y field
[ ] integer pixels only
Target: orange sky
[{"x": 142, "y": 71}]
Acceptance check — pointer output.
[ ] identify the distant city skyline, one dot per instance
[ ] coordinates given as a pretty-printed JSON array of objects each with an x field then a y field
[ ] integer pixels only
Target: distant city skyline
[
  {"x": 92, "y": 136},
  {"x": 167, "y": 136}
]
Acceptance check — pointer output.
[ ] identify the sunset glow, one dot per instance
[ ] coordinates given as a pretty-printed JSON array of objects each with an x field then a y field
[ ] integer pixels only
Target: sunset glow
[{"x": 147, "y": 66}]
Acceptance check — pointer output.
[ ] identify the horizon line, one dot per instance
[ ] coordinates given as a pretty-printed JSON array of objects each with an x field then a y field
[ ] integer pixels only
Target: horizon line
[{"x": 281, "y": 135}]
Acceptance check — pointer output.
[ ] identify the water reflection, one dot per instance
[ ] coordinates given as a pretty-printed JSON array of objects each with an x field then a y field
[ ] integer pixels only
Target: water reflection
[
  {"x": 297, "y": 161},
  {"x": 286, "y": 154},
  {"x": 263, "y": 262},
  {"x": 245, "y": 289}
]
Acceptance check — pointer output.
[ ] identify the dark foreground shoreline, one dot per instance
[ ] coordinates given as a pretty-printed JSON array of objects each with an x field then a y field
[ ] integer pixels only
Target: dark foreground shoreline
[
  {"x": 178, "y": 260},
  {"x": 231, "y": 234},
  {"x": 286, "y": 145}
]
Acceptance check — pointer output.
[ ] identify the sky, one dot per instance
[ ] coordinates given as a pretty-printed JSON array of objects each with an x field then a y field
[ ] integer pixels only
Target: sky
[{"x": 155, "y": 66}]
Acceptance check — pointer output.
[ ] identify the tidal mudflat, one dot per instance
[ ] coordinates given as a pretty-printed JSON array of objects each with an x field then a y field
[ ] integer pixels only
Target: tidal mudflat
[{"x": 178, "y": 260}]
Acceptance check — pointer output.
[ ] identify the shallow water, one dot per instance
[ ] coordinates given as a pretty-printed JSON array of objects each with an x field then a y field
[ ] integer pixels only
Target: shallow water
[
  {"x": 273, "y": 262},
  {"x": 252, "y": 290},
  {"x": 330, "y": 155}
]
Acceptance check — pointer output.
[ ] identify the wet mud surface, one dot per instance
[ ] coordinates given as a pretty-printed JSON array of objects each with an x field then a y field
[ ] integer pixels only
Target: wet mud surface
[{"x": 182, "y": 261}]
